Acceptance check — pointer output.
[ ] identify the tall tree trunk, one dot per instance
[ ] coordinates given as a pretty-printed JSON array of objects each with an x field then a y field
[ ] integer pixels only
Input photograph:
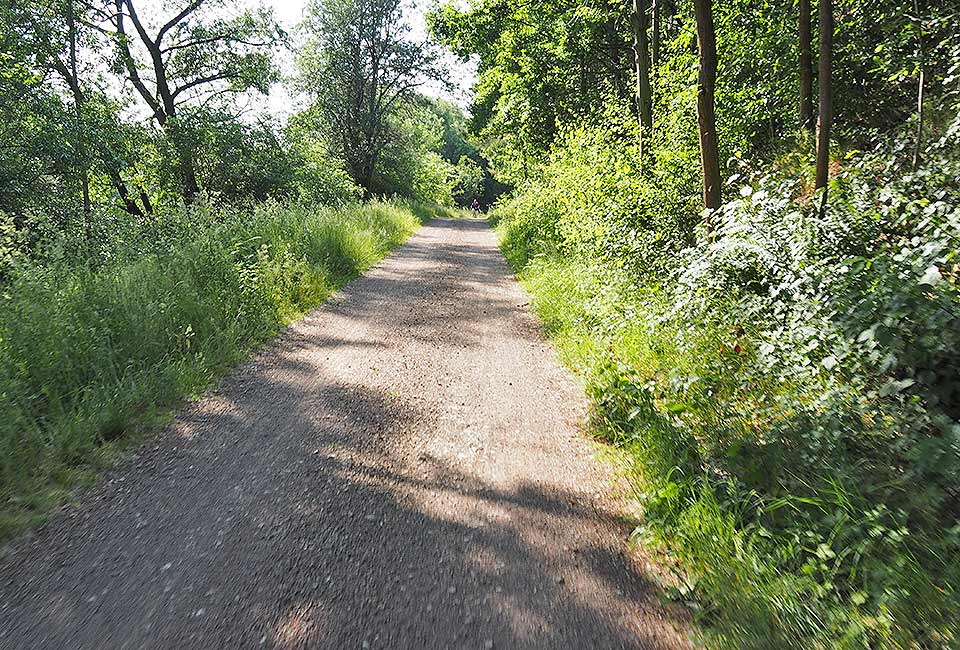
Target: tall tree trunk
[
  {"x": 806, "y": 68},
  {"x": 920, "y": 89},
  {"x": 614, "y": 41},
  {"x": 641, "y": 56},
  {"x": 78, "y": 116},
  {"x": 669, "y": 9},
  {"x": 826, "y": 99},
  {"x": 706, "y": 114},
  {"x": 655, "y": 18}
]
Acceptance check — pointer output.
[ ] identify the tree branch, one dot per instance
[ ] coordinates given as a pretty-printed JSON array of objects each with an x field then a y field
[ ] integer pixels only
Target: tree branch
[
  {"x": 160, "y": 74},
  {"x": 131, "y": 66},
  {"x": 199, "y": 81},
  {"x": 212, "y": 39},
  {"x": 139, "y": 26},
  {"x": 189, "y": 9}
]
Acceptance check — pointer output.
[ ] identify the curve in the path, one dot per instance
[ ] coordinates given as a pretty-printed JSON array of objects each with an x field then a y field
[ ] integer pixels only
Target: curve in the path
[{"x": 401, "y": 470}]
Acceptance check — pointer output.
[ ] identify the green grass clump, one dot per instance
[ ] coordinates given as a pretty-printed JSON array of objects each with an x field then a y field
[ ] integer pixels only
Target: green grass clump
[{"x": 90, "y": 355}]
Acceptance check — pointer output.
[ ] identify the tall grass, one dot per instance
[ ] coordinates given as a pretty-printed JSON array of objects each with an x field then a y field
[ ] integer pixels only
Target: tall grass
[{"x": 89, "y": 355}]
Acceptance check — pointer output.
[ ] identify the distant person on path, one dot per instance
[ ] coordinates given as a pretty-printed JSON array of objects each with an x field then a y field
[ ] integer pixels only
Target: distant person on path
[{"x": 475, "y": 207}]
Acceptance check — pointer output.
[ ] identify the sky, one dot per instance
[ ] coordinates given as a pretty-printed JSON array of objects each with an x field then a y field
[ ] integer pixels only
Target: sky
[{"x": 290, "y": 12}]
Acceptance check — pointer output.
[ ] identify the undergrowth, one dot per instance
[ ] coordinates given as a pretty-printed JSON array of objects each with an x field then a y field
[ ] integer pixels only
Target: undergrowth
[
  {"x": 784, "y": 385},
  {"x": 92, "y": 353}
]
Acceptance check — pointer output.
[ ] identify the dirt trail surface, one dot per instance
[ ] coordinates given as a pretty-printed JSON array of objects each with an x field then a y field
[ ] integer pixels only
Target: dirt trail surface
[{"x": 401, "y": 470}]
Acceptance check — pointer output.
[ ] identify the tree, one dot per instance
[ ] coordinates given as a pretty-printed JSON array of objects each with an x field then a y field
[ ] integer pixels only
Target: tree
[
  {"x": 706, "y": 113},
  {"x": 467, "y": 181},
  {"x": 361, "y": 66},
  {"x": 641, "y": 57},
  {"x": 921, "y": 82},
  {"x": 78, "y": 108},
  {"x": 193, "y": 55},
  {"x": 48, "y": 36},
  {"x": 806, "y": 67},
  {"x": 655, "y": 18},
  {"x": 825, "y": 99},
  {"x": 412, "y": 164},
  {"x": 541, "y": 65},
  {"x": 39, "y": 131},
  {"x": 239, "y": 161},
  {"x": 51, "y": 34}
]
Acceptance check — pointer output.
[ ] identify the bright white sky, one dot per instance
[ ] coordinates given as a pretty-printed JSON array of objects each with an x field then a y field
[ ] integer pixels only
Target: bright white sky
[{"x": 290, "y": 12}]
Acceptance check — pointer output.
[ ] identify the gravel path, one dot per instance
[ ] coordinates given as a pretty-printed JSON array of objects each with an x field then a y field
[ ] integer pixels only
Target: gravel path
[{"x": 400, "y": 470}]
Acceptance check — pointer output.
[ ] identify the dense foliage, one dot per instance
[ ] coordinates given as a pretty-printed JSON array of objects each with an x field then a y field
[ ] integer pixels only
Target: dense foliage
[{"x": 782, "y": 380}]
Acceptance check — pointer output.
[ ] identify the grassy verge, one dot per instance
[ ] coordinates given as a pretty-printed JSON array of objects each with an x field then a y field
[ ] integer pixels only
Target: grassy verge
[
  {"x": 88, "y": 357},
  {"x": 822, "y": 561}
]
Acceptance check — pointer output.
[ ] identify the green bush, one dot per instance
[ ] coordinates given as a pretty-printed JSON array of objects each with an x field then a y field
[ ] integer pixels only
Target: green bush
[
  {"x": 90, "y": 354},
  {"x": 591, "y": 201}
]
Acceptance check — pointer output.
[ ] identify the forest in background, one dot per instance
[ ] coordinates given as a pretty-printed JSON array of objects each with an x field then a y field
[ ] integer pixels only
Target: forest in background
[
  {"x": 154, "y": 229},
  {"x": 740, "y": 220}
]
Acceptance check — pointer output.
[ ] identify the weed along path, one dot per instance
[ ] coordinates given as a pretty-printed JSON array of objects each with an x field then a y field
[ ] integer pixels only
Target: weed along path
[{"x": 401, "y": 469}]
